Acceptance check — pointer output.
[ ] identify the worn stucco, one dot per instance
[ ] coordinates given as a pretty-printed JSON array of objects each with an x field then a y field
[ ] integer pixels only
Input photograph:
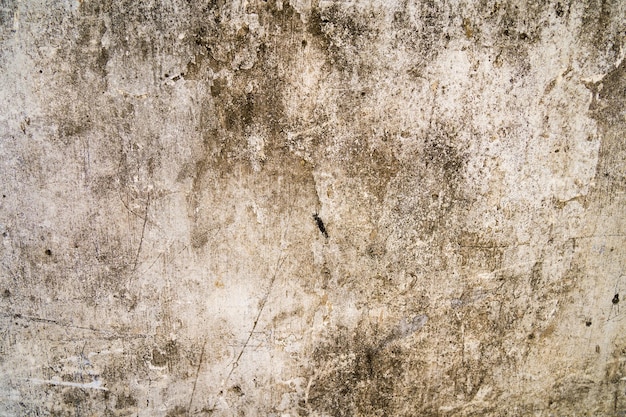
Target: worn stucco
[{"x": 162, "y": 162}]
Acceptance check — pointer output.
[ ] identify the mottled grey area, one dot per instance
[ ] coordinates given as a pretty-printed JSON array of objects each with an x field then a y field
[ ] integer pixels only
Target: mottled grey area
[{"x": 312, "y": 208}]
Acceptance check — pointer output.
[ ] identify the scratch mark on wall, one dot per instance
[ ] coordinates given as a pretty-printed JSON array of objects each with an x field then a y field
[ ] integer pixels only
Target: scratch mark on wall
[
  {"x": 91, "y": 385},
  {"x": 279, "y": 263},
  {"x": 112, "y": 334},
  {"x": 195, "y": 382},
  {"x": 143, "y": 231}
]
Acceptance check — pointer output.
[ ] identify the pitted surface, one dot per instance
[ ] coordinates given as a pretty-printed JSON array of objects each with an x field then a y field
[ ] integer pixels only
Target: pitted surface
[{"x": 312, "y": 208}]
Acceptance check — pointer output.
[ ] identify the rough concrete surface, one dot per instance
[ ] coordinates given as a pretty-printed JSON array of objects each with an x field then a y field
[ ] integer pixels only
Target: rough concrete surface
[{"x": 312, "y": 208}]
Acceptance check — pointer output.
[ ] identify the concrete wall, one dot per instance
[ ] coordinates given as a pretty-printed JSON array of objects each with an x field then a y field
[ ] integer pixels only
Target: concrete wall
[{"x": 161, "y": 163}]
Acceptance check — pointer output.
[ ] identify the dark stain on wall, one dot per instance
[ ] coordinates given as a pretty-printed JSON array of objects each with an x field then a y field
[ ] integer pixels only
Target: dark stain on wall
[
  {"x": 607, "y": 106},
  {"x": 355, "y": 374},
  {"x": 244, "y": 186}
]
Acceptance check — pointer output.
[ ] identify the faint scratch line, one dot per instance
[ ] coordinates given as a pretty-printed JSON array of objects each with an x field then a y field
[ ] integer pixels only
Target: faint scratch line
[
  {"x": 68, "y": 325},
  {"x": 309, "y": 130},
  {"x": 91, "y": 385},
  {"x": 279, "y": 263},
  {"x": 597, "y": 236},
  {"x": 195, "y": 382},
  {"x": 167, "y": 262},
  {"x": 129, "y": 209},
  {"x": 143, "y": 231}
]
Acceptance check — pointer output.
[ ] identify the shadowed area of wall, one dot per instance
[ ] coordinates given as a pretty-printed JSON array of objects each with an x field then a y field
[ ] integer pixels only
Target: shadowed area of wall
[{"x": 312, "y": 208}]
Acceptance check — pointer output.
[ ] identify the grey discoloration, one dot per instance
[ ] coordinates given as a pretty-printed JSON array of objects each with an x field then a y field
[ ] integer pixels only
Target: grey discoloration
[{"x": 161, "y": 161}]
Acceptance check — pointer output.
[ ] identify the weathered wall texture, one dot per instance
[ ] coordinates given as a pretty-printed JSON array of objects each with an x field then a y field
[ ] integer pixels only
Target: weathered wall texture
[{"x": 161, "y": 163}]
